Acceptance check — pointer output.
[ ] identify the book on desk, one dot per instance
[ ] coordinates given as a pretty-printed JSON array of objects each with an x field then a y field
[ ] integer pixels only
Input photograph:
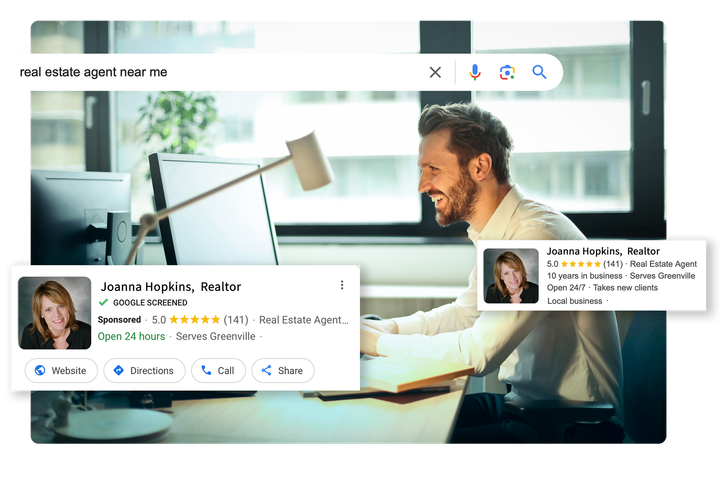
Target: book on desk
[
  {"x": 403, "y": 374},
  {"x": 367, "y": 392}
]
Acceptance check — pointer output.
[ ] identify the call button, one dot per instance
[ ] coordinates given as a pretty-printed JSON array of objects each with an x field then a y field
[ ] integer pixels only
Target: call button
[{"x": 218, "y": 370}]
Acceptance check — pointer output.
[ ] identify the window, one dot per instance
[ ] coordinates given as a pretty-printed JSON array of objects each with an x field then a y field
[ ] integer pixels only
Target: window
[
  {"x": 57, "y": 128},
  {"x": 586, "y": 148},
  {"x": 572, "y": 142},
  {"x": 376, "y": 180}
]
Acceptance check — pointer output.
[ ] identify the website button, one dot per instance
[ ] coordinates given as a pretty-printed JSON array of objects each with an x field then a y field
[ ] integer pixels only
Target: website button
[{"x": 56, "y": 370}]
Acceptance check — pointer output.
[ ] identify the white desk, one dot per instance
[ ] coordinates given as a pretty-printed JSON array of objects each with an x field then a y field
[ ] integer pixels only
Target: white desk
[{"x": 286, "y": 417}]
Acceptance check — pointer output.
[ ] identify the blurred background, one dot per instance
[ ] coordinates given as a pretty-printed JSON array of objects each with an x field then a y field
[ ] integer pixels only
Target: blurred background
[{"x": 574, "y": 144}]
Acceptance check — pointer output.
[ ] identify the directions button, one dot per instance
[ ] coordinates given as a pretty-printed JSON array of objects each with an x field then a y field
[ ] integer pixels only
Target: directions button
[
  {"x": 283, "y": 370},
  {"x": 144, "y": 370}
]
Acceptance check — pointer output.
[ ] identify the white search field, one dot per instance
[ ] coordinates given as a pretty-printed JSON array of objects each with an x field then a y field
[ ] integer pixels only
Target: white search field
[{"x": 269, "y": 72}]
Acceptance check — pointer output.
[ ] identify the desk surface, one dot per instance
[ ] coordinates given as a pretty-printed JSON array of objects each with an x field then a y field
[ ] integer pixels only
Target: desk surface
[{"x": 286, "y": 417}]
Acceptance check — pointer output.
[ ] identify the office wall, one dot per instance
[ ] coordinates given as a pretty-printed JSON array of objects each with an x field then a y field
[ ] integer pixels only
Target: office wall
[
  {"x": 416, "y": 265},
  {"x": 409, "y": 265}
]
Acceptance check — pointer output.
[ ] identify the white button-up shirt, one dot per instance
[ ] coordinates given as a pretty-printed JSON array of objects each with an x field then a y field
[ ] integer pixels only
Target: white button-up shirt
[{"x": 544, "y": 355}]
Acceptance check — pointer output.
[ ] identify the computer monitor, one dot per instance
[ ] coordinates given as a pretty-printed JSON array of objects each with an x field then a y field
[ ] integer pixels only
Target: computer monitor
[
  {"x": 68, "y": 211},
  {"x": 232, "y": 227}
]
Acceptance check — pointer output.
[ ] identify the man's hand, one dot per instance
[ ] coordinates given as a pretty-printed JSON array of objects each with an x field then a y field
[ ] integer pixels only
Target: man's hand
[
  {"x": 371, "y": 330},
  {"x": 382, "y": 326},
  {"x": 368, "y": 339}
]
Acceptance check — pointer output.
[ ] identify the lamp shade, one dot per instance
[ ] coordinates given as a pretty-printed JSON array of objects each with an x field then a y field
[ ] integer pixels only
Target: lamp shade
[{"x": 312, "y": 166}]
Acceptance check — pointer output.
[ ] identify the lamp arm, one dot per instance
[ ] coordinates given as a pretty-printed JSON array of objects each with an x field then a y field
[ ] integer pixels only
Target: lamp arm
[{"x": 150, "y": 220}]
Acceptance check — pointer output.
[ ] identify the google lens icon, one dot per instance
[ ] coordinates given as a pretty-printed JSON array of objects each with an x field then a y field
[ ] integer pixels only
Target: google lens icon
[{"x": 506, "y": 72}]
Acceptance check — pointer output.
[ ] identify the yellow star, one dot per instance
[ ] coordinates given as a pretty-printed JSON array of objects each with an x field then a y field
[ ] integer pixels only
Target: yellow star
[
  {"x": 205, "y": 319},
  {"x": 580, "y": 264},
  {"x": 184, "y": 319},
  {"x": 173, "y": 319},
  {"x": 564, "y": 264},
  {"x": 589, "y": 264},
  {"x": 194, "y": 318},
  {"x": 572, "y": 264},
  {"x": 597, "y": 264},
  {"x": 216, "y": 319}
]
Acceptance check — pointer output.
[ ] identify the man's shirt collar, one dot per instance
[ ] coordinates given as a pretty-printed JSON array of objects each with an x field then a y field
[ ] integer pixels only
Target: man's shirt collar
[{"x": 497, "y": 225}]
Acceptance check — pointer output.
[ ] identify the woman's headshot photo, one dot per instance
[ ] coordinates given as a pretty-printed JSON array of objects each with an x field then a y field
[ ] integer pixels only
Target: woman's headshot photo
[
  {"x": 509, "y": 280},
  {"x": 54, "y": 316}
]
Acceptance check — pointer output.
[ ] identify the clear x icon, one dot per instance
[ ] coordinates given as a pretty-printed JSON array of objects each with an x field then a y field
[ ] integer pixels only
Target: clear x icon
[{"x": 435, "y": 72}]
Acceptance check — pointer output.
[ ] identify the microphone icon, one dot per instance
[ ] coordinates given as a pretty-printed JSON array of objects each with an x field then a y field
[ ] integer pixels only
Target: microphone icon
[{"x": 475, "y": 74}]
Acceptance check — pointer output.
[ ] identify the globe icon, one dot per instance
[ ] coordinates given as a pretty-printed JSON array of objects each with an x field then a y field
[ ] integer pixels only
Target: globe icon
[{"x": 39, "y": 370}]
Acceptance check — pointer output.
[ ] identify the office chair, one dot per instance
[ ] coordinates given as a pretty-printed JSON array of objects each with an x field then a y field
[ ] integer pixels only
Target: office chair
[{"x": 644, "y": 356}]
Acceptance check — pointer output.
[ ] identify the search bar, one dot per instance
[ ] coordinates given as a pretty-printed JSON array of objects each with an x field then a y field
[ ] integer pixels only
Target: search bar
[{"x": 268, "y": 72}]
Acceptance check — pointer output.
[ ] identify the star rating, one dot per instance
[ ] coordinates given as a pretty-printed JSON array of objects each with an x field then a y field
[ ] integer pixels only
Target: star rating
[
  {"x": 195, "y": 319},
  {"x": 587, "y": 264}
]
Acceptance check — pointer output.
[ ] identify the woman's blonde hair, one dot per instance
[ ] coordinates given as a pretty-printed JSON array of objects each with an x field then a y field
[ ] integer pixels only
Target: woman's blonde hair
[
  {"x": 56, "y": 293},
  {"x": 514, "y": 262}
]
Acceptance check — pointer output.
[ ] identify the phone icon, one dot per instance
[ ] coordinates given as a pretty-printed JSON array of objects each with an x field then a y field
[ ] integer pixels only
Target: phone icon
[{"x": 205, "y": 371}]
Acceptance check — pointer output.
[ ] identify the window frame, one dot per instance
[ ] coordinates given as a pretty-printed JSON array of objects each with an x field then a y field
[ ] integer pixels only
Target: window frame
[
  {"x": 645, "y": 220},
  {"x": 98, "y": 145}
]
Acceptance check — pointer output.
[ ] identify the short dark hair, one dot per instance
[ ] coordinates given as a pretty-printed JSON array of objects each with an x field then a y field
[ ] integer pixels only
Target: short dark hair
[{"x": 473, "y": 131}]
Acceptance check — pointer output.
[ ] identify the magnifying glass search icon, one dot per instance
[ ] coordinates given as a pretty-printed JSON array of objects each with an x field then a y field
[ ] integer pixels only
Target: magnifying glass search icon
[{"x": 539, "y": 73}]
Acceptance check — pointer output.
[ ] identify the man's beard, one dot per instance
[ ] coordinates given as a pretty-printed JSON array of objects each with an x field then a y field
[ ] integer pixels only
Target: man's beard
[{"x": 460, "y": 201}]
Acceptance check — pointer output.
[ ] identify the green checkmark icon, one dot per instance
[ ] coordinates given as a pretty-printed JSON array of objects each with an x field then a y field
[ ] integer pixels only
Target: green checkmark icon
[{"x": 103, "y": 302}]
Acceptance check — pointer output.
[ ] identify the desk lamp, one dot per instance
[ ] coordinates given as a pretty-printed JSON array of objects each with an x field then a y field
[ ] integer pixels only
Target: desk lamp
[
  {"x": 311, "y": 166},
  {"x": 314, "y": 171}
]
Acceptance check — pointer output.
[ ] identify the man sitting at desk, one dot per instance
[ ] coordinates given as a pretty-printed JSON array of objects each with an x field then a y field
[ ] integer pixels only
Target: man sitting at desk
[{"x": 464, "y": 156}]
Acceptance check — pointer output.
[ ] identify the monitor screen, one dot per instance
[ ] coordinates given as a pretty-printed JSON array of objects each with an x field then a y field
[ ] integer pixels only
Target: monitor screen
[
  {"x": 232, "y": 227},
  {"x": 63, "y": 205}
]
